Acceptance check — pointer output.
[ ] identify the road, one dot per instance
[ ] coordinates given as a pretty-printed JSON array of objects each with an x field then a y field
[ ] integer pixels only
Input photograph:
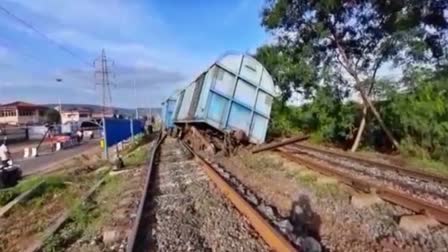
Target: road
[{"x": 38, "y": 164}]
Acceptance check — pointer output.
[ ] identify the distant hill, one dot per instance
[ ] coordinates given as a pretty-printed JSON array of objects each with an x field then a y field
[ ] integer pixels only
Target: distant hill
[{"x": 126, "y": 112}]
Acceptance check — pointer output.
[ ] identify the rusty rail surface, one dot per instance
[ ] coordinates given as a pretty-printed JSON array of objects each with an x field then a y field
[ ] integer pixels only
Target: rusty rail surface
[
  {"x": 271, "y": 146},
  {"x": 269, "y": 234},
  {"x": 389, "y": 195},
  {"x": 428, "y": 176},
  {"x": 133, "y": 236}
]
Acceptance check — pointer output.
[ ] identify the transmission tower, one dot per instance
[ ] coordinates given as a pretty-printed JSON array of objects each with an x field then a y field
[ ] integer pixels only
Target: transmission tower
[{"x": 102, "y": 78}]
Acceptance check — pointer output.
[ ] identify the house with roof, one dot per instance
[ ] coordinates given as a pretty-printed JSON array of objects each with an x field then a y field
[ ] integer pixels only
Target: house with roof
[
  {"x": 76, "y": 115},
  {"x": 22, "y": 113}
]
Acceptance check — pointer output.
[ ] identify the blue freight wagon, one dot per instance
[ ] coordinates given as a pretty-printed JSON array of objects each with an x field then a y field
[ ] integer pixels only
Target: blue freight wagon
[
  {"x": 235, "y": 93},
  {"x": 168, "y": 107}
]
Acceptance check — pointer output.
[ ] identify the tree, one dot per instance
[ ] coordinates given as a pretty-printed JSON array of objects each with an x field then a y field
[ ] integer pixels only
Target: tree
[
  {"x": 288, "y": 69},
  {"x": 52, "y": 116},
  {"x": 358, "y": 37}
]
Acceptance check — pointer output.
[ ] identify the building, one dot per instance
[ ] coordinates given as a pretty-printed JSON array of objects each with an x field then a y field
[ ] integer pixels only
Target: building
[
  {"x": 76, "y": 115},
  {"x": 108, "y": 113},
  {"x": 22, "y": 113}
]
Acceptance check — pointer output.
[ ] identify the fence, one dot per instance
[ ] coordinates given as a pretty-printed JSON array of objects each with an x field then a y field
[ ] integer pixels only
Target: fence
[
  {"x": 14, "y": 135},
  {"x": 117, "y": 130}
]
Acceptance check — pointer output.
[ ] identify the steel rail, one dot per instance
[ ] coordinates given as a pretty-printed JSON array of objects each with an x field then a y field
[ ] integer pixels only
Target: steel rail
[
  {"x": 270, "y": 235},
  {"x": 428, "y": 176},
  {"x": 389, "y": 195},
  {"x": 133, "y": 236},
  {"x": 271, "y": 146}
]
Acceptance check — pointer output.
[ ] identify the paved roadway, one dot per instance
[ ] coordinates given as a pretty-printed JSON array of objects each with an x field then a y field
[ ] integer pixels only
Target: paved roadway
[{"x": 34, "y": 165}]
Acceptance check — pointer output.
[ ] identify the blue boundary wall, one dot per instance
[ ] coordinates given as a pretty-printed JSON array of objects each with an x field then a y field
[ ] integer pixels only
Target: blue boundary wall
[{"x": 117, "y": 130}]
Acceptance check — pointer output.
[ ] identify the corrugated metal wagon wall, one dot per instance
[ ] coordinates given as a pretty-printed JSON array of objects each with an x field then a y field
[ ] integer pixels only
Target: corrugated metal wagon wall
[
  {"x": 196, "y": 96},
  {"x": 241, "y": 95},
  {"x": 236, "y": 92}
]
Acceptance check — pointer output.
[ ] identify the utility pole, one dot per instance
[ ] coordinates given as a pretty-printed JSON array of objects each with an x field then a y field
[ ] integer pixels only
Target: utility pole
[
  {"x": 59, "y": 80},
  {"x": 102, "y": 72},
  {"x": 136, "y": 99}
]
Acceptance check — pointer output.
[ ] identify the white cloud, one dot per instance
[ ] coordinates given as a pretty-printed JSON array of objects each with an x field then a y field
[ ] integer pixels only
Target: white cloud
[
  {"x": 91, "y": 25},
  {"x": 131, "y": 33},
  {"x": 132, "y": 53}
]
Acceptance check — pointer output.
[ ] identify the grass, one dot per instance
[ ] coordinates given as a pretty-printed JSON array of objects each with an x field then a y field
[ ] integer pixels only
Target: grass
[
  {"x": 319, "y": 189},
  {"x": 137, "y": 157},
  {"x": 139, "y": 140},
  {"x": 137, "y": 153},
  {"x": 305, "y": 179},
  {"x": 110, "y": 189},
  {"x": 86, "y": 218},
  {"x": 268, "y": 163},
  {"x": 421, "y": 161},
  {"x": 81, "y": 218},
  {"x": 429, "y": 165},
  {"x": 261, "y": 162},
  {"x": 59, "y": 190},
  {"x": 50, "y": 184}
]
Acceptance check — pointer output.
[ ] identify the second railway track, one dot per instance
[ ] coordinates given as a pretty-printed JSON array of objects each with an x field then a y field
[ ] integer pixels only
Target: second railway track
[
  {"x": 183, "y": 210},
  {"x": 417, "y": 191},
  {"x": 396, "y": 178}
]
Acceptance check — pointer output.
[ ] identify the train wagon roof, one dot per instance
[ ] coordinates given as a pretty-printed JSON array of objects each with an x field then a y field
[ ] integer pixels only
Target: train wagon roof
[{"x": 231, "y": 62}]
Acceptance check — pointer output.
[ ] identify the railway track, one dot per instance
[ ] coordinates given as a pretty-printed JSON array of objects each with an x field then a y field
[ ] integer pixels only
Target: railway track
[
  {"x": 187, "y": 206},
  {"x": 399, "y": 170},
  {"x": 418, "y": 191}
]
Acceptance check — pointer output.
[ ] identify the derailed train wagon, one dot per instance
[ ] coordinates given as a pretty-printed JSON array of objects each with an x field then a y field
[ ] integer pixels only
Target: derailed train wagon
[
  {"x": 235, "y": 93},
  {"x": 168, "y": 107}
]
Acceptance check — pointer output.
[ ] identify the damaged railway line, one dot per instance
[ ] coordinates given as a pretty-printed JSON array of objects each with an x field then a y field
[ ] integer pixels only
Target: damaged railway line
[{"x": 421, "y": 192}]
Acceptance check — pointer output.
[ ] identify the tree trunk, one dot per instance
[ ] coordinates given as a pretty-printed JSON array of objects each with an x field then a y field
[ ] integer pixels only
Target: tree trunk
[
  {"x": 378, "y": 117},
  {"x": 348, "y": 66},
  {"x": 362, "y": 125}
]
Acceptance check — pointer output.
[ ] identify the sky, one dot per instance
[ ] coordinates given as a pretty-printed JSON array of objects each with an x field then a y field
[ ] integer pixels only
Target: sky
[{"x": 157, "y": 45}]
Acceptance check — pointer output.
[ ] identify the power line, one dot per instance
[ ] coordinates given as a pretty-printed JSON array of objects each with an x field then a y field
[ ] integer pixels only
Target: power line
[
  {"x": 26, "y": 55},
  {"x": 22, "y": 53},
  {"x": 34, "y": 29}
]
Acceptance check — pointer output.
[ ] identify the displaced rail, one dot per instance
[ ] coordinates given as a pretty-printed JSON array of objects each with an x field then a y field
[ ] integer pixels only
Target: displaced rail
[
  {"x": 398, "y": 188},
  {"x": 181, "y": 210}
]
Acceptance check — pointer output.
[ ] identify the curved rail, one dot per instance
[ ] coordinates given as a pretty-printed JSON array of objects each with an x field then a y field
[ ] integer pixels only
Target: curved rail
[{"x": 132, "y": 238}]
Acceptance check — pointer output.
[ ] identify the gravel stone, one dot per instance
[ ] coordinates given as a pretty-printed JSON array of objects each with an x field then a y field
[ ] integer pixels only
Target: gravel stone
[
  {"x": 187, "y": 213},
  {"x": 426, "y": 190}
]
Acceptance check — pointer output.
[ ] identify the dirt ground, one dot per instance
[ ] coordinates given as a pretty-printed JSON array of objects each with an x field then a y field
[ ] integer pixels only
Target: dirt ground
[
  {"x": 58, "y": 192},
  {"x": 104, "y": 224},
  {"x": 335, "y": 222}
]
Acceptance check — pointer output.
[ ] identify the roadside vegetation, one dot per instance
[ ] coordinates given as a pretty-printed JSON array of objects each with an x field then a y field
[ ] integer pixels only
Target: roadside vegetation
[
  {"x": 83, "y": 230},
  {"x": 63, "y": 190},
  {"x": 338, "y": 56}
]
